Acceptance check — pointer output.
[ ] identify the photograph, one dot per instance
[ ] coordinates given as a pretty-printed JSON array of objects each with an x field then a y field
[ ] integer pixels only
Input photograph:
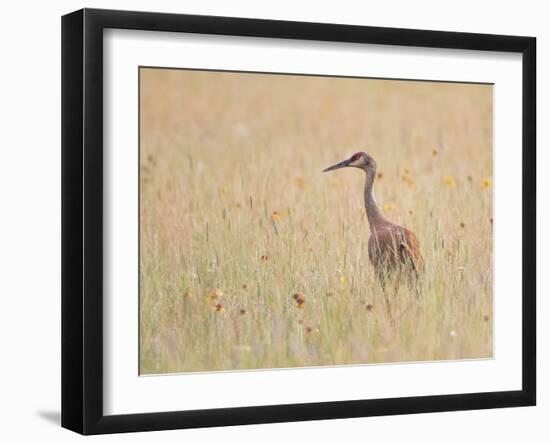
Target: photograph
[{"x": 290, "y": 220}]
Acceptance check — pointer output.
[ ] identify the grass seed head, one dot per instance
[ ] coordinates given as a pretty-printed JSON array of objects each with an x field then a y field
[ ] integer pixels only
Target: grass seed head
[{"x": 300, "y": 299}]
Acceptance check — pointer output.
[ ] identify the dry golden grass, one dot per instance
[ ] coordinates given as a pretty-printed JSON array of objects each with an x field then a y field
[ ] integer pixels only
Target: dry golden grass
[{"x": 251, "y": 258}]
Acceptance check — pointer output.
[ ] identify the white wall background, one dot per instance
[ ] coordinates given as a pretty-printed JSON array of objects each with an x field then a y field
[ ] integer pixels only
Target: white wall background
[{"x": 30, "y": 218}]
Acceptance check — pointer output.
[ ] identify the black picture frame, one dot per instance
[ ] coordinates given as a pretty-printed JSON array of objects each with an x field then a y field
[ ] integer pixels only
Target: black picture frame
[{"x": 82, "y": 220}]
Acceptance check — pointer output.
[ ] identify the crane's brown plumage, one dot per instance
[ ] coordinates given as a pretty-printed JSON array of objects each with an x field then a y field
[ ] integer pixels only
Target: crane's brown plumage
[{"x": 393, "y": 250}]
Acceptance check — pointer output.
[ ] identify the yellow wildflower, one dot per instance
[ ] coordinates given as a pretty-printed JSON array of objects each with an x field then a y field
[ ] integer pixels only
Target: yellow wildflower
[
  {"x": 215, "y": 295},
  {"x": 218, "y": 307},
  {"x": 449, "y": 181}
]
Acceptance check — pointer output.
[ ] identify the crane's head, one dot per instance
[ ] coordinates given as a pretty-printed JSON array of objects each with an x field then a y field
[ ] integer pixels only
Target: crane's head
[{"x": 360, "y": 160}]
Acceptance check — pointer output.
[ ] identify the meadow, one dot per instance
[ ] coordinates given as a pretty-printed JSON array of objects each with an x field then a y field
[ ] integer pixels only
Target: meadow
[{"x": 236, "y": 218}]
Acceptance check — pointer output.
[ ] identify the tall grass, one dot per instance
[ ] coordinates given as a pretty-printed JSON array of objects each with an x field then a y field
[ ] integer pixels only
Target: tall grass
[{"x": 236, "y": 218}]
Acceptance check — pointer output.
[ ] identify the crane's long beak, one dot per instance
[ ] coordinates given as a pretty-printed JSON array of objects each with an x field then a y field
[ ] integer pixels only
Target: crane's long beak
[{"x": 337, "y": 166}]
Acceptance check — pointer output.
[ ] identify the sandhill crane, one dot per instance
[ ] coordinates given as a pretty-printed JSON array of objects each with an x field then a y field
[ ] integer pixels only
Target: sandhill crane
[{"x": 394, "y": 251}]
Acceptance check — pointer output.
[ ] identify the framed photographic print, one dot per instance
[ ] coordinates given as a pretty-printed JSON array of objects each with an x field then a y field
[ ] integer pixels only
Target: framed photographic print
[{"x": 269, "y": 221}]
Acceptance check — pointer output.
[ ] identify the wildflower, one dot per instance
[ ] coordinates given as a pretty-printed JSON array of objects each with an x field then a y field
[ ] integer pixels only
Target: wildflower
[
  {"x": 487, "y": 183},
  {"x": 449, "y": 181},
  {"x": 342, "y": 279},
  {"x": 300, "y": 299},
  {"x": 389, "y": 207},
  {"x": 275, "y": 216},
  {"x": 311, "y": 329},
  {"x": 215, "y": 295},
  {"x": 300, "y": 182},
  {"x": 218, "y": 307}
]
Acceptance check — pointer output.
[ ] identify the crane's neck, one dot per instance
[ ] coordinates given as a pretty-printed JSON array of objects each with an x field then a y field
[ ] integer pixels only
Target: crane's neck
[{"x": 375, "y": 217}]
